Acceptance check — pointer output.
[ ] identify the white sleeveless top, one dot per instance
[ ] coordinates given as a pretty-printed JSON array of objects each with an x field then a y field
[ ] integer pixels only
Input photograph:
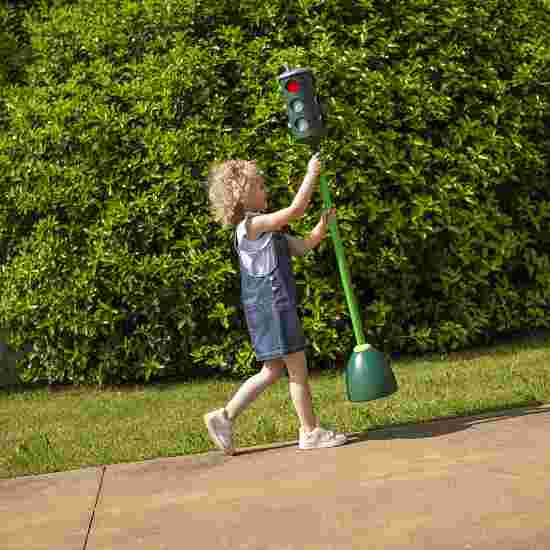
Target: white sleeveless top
[{"x": 257, "y": 256}]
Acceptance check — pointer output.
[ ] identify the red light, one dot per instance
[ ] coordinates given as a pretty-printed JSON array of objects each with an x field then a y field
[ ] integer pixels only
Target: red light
[{"x": 293, "y": 86}]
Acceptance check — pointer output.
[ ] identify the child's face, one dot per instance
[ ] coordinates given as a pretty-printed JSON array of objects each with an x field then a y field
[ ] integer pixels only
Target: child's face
[{"x": 257, "y": 198}]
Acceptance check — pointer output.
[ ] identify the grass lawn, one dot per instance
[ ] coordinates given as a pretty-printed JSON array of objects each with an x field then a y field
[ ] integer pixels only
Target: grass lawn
[{"x": 42, "y": 430}]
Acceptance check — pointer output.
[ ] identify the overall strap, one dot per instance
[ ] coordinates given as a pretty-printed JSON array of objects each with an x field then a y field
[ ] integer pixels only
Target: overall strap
[{"x": 248, "y": 214}]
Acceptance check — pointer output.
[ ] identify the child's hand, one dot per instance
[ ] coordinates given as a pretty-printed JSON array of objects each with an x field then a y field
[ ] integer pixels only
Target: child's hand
[
  {"x": 320, "y": 231},
  {"x": 328, "y": 215},
  {"x": 314, "y": 165}
]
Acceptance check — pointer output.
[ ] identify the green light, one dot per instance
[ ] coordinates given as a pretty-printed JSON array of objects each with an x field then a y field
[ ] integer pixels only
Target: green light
[{"x": 298, "y": 106}]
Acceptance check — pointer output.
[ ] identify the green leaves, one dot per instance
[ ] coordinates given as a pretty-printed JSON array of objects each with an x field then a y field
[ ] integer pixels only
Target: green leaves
[{"x": 437, "y": 158}]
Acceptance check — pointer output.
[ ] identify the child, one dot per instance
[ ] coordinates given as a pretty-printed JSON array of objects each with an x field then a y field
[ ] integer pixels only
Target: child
[{"x": 268, "y": 292}]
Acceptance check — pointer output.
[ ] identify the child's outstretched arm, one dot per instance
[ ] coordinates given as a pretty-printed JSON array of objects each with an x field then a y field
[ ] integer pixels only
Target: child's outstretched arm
[
  {"x": 276, "y": 220},
  {"x": 299, "y": 247}
]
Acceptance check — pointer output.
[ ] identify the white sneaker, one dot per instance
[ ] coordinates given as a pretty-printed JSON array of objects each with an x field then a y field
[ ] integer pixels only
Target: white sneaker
[
  {"x": 320, "y": 438},
  {"x": 220, "y": 429}
]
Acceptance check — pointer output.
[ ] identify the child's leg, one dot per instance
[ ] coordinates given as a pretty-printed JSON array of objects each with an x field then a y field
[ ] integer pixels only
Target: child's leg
[
  {"x": 300, "y": 391},
  {"x": 254, "y": 386}
]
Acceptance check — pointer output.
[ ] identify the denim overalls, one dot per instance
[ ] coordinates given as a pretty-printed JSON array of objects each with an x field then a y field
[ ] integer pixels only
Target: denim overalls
[{"x": 269, "y": 303}]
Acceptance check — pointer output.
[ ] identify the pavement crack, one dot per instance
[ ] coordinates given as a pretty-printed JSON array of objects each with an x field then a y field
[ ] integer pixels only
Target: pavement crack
[{"x": 92, "y": 517}]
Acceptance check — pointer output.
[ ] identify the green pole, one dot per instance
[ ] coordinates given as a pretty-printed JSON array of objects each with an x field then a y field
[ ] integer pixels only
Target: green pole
[{"x": 344, "y": 271}]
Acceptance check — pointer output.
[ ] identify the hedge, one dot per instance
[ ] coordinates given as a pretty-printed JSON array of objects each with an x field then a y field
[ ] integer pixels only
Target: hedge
[{"x": 111, "y": 112}]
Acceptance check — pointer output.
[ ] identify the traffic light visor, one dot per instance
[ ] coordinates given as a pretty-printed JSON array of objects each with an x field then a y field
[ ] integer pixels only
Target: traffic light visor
[{"x": 293, "y": 86}]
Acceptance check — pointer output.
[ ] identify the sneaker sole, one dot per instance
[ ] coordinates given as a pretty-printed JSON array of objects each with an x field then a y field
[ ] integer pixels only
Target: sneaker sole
[
  {"x": 227, "y": 450},
  {"x": 335, "y": 443}
]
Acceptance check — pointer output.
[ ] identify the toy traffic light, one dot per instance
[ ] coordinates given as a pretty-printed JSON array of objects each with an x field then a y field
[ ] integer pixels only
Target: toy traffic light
[
  {"x": 368, "y": 372},
  {"x": 304, "y": 112}
]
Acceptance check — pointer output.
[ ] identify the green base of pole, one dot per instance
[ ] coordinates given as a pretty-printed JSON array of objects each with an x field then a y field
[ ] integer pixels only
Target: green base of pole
[{"x": 369, "y": 375}]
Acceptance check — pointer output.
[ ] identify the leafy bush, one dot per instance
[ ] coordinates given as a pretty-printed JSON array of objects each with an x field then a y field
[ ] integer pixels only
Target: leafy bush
[{"x": 437, "y": 155}]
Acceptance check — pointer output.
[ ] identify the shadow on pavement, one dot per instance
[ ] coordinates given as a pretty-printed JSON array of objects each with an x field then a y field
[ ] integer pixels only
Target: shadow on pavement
[
  {"x": 256, "y": 450},
  {"x": 431, "y": 428},
  {"x": 442, "y": 426}
]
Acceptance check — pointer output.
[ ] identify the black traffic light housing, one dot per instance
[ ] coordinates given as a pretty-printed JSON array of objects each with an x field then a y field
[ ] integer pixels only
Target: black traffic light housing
[{"x": 305, "y": 114}]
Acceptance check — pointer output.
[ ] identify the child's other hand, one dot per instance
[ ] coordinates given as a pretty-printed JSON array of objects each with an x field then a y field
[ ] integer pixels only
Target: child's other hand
[
  {"x": 328, "y": 215},
  {"x": 314, "y": 165}
]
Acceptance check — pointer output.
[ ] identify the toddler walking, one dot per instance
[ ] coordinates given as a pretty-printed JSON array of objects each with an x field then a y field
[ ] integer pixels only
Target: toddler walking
[{"x": 268, "y": 293}]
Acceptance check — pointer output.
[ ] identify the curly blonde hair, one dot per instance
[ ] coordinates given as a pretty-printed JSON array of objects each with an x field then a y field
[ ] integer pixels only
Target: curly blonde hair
[{"x": 228, "y": 188}]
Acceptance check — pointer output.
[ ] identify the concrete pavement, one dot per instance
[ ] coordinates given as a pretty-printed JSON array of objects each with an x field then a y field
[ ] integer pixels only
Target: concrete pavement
[{"x": 466, "y": 483}]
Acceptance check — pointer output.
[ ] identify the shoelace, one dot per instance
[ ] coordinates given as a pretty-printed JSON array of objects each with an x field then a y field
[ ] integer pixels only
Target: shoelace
[{"x": 327, "y": 433}]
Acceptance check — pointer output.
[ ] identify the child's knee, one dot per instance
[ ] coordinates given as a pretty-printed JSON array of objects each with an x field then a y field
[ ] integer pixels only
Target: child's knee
[{"x": 273, "y": 370}]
